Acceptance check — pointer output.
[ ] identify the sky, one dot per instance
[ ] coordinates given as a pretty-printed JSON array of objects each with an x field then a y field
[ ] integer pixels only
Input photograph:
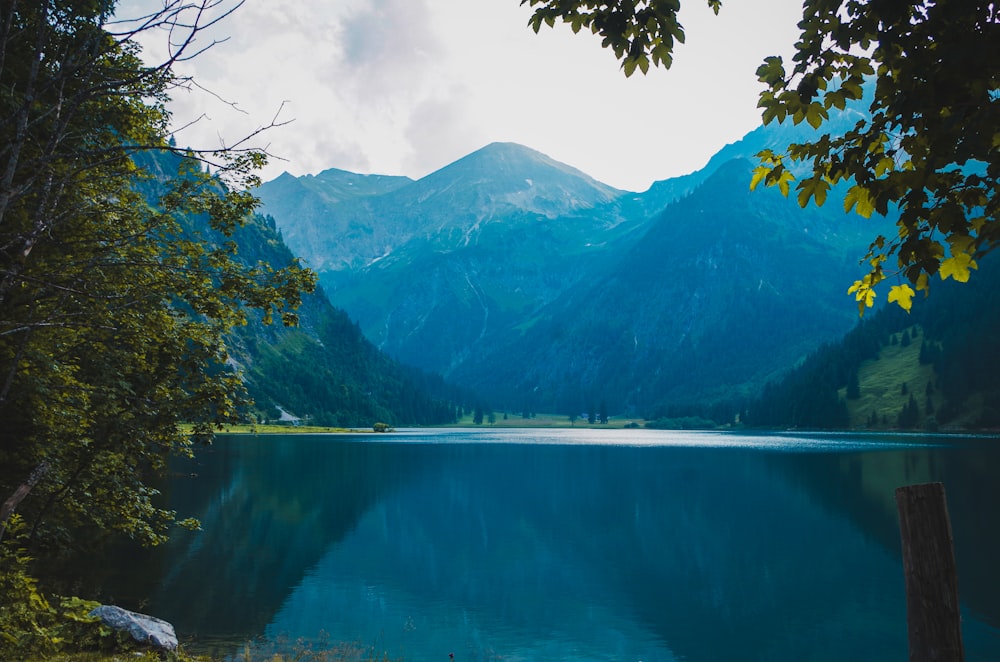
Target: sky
[{"x": 405, "y": 87}]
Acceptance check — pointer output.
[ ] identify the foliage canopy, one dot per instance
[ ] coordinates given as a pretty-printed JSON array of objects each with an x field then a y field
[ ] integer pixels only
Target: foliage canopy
[
  {"x": 118, "y": 280},
  {"x": 929, "y": 148}
]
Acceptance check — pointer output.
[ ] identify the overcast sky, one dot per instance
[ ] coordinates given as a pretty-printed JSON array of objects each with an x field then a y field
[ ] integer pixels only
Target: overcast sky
[{"x": 404, "y": 87}]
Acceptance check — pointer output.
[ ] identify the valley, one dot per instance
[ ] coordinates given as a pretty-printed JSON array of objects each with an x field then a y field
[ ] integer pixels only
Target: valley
[{"x": 537, "y": 288}]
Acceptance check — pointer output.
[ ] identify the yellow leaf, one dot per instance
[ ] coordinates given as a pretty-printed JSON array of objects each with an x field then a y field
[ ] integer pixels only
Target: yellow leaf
[
  {"x": 858, "y": 198},
  {"x": 902, "y": 295},
  {"x": 759, "y": 173},
  {"x": 783, "y": 182},
  {"x": 957, "y": 267},
  {"x": 864, "y": 289},
  {"x": 864, "y": 294},
  {"x": 922, "y": 284}
]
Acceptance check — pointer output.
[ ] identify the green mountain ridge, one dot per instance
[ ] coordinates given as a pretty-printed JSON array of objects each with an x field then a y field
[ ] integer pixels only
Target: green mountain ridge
[
  {"x": 935, "y": 368},
  {"x": 323, "y": 370}
]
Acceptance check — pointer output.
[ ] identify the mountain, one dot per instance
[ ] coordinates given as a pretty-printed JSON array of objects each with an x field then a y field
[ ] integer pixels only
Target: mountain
[
  {"x": 450, "y": 208},
  {"x": 540, "y": 288},
  {"x": 725, "y": 288},
  {"x": 434, "y": 270},
  {"x": 324, "y": 370}
]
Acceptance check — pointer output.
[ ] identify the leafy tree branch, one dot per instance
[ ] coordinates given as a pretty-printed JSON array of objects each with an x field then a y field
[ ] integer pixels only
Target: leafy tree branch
[
  {"x": 929, "y": 148},
  {"x": 119, "y": 276}
]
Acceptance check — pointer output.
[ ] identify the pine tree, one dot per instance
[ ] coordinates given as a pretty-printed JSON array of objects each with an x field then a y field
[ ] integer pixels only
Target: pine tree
[{"x": 853, "y": 386}]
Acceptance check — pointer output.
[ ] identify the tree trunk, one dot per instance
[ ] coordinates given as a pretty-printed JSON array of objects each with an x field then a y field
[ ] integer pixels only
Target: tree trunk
[
  {"x": 14, "y": 500},
  {"x": 933, "y": 616}
]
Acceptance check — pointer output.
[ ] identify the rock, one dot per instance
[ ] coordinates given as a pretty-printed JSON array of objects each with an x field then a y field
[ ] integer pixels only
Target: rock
[{"x": 147, "y": 629}]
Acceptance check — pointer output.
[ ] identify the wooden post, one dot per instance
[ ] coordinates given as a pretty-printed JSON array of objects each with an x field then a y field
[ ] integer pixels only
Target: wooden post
[{"x": 932, "y": 610}]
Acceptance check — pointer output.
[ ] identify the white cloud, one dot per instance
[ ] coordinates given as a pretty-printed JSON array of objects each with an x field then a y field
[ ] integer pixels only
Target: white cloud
[{"x": 407, "y": 86}]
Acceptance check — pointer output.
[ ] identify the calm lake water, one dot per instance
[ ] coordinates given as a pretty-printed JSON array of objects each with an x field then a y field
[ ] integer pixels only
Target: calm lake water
[{"x": 566, "y": 544}]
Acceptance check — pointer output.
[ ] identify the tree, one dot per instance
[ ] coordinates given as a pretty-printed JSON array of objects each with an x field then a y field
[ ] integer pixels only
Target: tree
[
  {"x": 118, "y": 279},
  {"x": 910, "y": 414},
  {"x": 638, "y": 31},
  {"x": 930, "y": 148},
  {"x": 853, "y": 385}
]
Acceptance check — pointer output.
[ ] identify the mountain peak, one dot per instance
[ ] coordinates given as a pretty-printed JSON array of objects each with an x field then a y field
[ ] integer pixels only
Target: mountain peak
[
  {"x": 509, "y": 149},
  {"x": 508, "y": 157},
  {"x": 521, "y": 176}
]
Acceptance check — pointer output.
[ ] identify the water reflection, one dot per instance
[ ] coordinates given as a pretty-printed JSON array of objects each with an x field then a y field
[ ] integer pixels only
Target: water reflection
[{"x": 670, "y": 547}]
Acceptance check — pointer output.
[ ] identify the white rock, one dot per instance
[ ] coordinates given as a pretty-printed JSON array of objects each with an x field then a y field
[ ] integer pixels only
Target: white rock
[{"x": 147, "y": 629}]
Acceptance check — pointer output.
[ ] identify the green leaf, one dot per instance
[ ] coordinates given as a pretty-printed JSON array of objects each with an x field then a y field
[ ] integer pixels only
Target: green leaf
[
  {"x": 814, "y": 187},
  {"x": 962, "y": 243},
  {"x": 815, "y": 115},
  {"x": 885, "y": 164},
  {"x": 851, "y": 88}
]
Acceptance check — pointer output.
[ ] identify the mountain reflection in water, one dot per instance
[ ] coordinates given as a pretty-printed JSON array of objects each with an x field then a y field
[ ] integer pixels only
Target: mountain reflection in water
[{"x": 567, "y": 544}]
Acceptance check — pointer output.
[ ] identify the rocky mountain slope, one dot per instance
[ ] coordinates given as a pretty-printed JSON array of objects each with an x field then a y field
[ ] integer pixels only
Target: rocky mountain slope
[{"x": 540, "y": 288}]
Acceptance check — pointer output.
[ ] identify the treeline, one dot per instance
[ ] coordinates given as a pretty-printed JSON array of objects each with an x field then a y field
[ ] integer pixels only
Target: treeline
[
  {"x": 959, "y": 324},
  {"x": 324, "y": 371},
  {"x": 808, "y": 395},
  {"x": 330, "y": 375}
]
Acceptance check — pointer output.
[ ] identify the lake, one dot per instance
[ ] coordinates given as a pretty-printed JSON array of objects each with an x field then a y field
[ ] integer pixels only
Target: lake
[{"x": 524, "y": 544}]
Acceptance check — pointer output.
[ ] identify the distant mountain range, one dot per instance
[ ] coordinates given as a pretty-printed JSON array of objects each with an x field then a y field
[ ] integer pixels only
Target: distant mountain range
[{"x": 542, "y": 289}]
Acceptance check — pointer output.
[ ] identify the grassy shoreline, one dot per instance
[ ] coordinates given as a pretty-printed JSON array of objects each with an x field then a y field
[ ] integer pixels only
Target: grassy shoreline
[
  {"x": 537, "y": 421},
  {"x": 249, "y": 428}
]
